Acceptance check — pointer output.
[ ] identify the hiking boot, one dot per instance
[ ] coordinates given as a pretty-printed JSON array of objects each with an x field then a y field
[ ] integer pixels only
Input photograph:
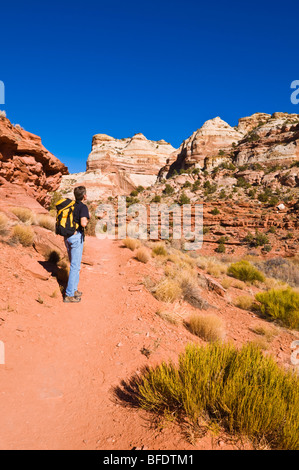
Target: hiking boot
[
  {"x": 71, "y": 299},
  {"x": 78, "y": 293}
]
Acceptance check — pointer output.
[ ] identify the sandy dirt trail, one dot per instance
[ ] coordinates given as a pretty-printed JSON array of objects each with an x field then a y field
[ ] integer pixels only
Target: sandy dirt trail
[{"x": 63, "y": 361}]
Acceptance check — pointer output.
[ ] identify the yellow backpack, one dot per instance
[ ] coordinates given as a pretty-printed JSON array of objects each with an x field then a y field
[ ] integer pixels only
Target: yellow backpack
[{"x": 65, "y": 224}]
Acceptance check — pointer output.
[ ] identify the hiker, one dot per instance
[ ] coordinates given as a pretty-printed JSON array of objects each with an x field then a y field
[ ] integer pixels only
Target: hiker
[{"x": 74, "y": 245}]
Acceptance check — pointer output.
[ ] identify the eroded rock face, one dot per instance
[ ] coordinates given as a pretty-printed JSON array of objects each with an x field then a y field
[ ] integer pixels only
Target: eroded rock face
[
  {"x": 275, "y": 140},
  {"x": 213, "y": 137},
  {"x": 26, "y": 162},
  {"x": 140, "y": 158},
  {"x": 117, "y": 166},
  {"x": 260, "y": 138}
]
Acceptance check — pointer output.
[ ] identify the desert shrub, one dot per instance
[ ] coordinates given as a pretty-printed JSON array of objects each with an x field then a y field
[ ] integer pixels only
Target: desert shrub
[
  {"x": 215, "y": 211},
  {"x": 187, "y": 184},
  {"x": 209, "y": 188},
  {"x": 23, "y": 214},
  {"x": 130, "y": 200},
  {"x": 167, "y": 290},
  {"x": 244, "y": 301},
  {"x": 159, "y": 250},
  {"x": 56, "y": 196},
  {"x": 220, "y": 248},
  {"x": 22, "y": 234},
  {"x": 215, "y": 268},
  {"x": 167, "y": 316},
  {"x": 208, "y": 327},
  {"x": 131, "y": 243},
  {"x": 243, "y": 390},
  {"x": 156, "y": 198},
  {"x": 281, "y": 268},
  {"x": 267, "y": 248},
  {"x": 46, "y": 221},
  {"x": 142, "y": 255},
  {"x": 190, "y": 289},
  {"x": 139, "y": 189},
  {"x": 261, "y": 330},
  {"x": 260, "y": 239},
  {"x": 168, "y": 190},
  {"x": 245, "y": 271},
  {"x": 184, "y": 199},
  {"x": 196, "y": 185},
  {"x": 280, "y": 304},
  {"x": 3, "y": 223},
  {"x": 90, "y": 229}
]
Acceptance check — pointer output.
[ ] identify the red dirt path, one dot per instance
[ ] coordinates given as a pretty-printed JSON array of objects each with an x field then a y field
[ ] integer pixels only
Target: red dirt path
[{"x": 63, "y": 361}]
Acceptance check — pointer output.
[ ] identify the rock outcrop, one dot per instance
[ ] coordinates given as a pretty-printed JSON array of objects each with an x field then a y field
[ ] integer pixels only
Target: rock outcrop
[
  {"x": 205, "y": 147},
  {"x": 260, "y": 138},
  {"x": 117, "y": 166},
  {"x": 27, "y": 163},
  {"x": 273, "y": 140}
]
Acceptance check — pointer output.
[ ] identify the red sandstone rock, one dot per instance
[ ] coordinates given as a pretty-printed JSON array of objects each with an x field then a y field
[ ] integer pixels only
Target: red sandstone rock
[{"x": 26, "y": 162}]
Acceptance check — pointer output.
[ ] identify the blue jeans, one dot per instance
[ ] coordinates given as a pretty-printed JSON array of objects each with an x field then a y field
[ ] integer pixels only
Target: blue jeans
[{"x": 74, "y": 246}]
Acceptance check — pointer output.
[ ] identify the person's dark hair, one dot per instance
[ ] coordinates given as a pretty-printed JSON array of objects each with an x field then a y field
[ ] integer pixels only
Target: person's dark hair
[{"x": 79, "y": 193}]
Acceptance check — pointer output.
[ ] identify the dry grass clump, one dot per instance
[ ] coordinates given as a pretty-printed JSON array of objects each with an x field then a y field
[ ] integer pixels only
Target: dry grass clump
[
  {"x": 280, "y": 304},
  {"x": 131, "y": 243},
  {"x": 242, "y": 390},
  {"x": 170, "y": 317},
  {"x": 245, "y": 302},
  {"x": 25, "y": 215},
  {"x": 272, "y": 283},
  {"x": 3, "y": 223},
  {"x": 208, "y": 327},
  {"x": 245, "y": 271},
  {"x": 159, "y": 250},
  {"x": 22, "y": 234},
  {"x": 46, "y": 221},
  {"x": 191, "y": 290},
  {"x": 281, "y": 269},
  {"x": 211, "y": 265},
  {"x": 230, "y": 282},
  {"x": 267, "y": 333},
  {"x": 143, "y": 255},
  {"x": 168, "y": 290}
]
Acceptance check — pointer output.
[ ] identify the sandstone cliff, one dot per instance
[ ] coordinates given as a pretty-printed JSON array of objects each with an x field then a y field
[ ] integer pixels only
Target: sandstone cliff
[
  {"x": 27, "y": 163},
  {"x": 117, "y": 166},
  {"x": 260, "y": 138}
]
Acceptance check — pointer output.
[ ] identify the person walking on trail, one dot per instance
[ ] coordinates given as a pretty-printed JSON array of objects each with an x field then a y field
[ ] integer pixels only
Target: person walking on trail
[{"x": 74, "y": 245}]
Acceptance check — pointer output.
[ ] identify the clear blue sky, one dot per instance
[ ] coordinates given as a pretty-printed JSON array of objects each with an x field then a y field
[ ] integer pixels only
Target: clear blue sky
[{"x": 74, "y": 69}]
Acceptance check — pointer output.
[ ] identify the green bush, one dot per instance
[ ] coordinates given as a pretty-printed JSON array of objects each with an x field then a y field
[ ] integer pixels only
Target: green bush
[
  {"x": 184, "y": 199},
  {"x": 156, "y": 198},
  {"x": 168, "y": 190},
  {"x": 215, "y": 211},
  {"x": 281, "y": 304},
  {"x": 244, "y": 391},
  {"x": 245, "y": 271}
]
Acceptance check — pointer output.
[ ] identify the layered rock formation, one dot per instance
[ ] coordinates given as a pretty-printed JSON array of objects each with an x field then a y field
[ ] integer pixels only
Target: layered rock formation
[
  {"x": 273, "y": 140},
  {"x": 27, "y": 163},
  {"x": 260, "y": 138},
  {"x": 202, "y": 148},
  {"x": 117, "y": 166}
]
